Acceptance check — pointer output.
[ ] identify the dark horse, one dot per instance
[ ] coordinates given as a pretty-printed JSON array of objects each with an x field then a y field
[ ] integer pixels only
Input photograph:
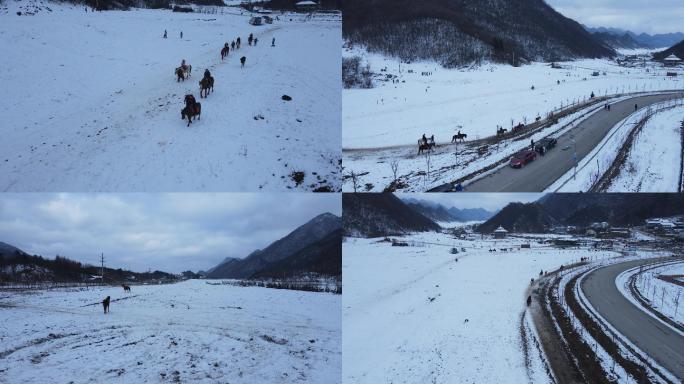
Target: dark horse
[
  {"x": 224, "y": 51},
  {"x": 183, "y": 73},
  {"x": 126, "y": 288},
  {"x": 206, "y": 85},
  {"x": 425, "y": 146},
  {"x": 105, "y": 304},
  {"x": 242, "y": 61},
  {"x": 192, "y": 109},
  {"x": 459, "y": 136}
]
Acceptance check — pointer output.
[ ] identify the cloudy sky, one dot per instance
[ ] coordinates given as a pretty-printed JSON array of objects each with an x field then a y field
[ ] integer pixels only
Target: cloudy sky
[
  {"x": 488, "y": 201},
  {"x": 650, "y": 16},
  {"x": 169, "y": 232}
]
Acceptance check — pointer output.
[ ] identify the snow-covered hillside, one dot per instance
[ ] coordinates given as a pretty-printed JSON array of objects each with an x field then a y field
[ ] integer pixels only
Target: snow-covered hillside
[
  {"x": 92, "y": 103},
  {"x": 426, "y": 98},
  {"x": 420, "y": 314},
  {"x": 186, "y": 332}
]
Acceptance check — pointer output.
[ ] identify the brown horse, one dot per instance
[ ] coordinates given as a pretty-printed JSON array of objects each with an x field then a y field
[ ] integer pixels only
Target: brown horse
[
  {"x": 206, "y": 85},
  {"x": 425, "y": 146},
  {"x": 224, "y": 52},
  {"x": 126, "y": 288},
  {"x": 191, "y": 111},
  {"x": 105, "y": 304}
]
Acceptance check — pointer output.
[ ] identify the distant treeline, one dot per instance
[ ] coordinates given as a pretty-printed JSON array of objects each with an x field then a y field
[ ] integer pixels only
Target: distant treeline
[
  {"x": 23, "y": 268},
  {"x": 308, "y": 284}
]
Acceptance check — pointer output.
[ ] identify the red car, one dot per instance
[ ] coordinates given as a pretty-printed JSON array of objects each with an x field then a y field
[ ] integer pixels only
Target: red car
[{"x": 523, "y": 157}]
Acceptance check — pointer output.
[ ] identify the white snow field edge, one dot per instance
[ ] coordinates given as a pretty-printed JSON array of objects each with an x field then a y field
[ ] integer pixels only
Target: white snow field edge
[
  {"x": 634, "y": 176},
  {"x": 415, "y": 315},
  {"x": 185, "y": 332},
  {"x": 477, "y": 99},
  {"x": 92, "y": 103},
  {"x": 663, "y": 295}
]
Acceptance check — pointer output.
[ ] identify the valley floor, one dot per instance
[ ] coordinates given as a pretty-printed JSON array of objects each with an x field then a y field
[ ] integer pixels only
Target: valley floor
[
  {"x": 382, "y": 125},
  {"x": 190, "y": 331},
  {"x": 420, "y": 314},
  {"x": 92, "y": 103}
]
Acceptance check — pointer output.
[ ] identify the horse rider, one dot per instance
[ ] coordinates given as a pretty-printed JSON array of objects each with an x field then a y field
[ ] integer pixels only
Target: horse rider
[
  {"x": 424, "y": 139},
  {"x": 207, "y": 74},
  {"x": 273, "y": 42},
  {"x": 249, "y": 39},
  {"x": 184, "y": 66},
  {"x": 232, "y": 45},
  {"x": 165, "y": 33},
  {"x": 432, "y": 139}
]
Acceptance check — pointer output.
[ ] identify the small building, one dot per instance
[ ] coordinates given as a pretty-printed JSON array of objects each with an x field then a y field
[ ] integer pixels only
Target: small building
[
  {"x": 307, "y": 5},
  {"x": 525, "y": 246},
  {"x": 500, "y": 233},
  {"x": 672, "y": 61}
]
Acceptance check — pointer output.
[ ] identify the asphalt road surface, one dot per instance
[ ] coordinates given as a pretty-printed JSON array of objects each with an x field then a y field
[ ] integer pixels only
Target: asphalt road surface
[
  {"x": 541, "y": 173},
  {"x": 653, "y": 337}
]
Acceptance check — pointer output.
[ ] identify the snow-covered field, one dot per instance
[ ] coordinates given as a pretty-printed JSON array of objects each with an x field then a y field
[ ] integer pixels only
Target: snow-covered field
[
  {"x": 92, "y": 103},
  {"x": 477, "y": 99},
  {"x": 382, "y": 125},
  {"x": 416, "y": 315},
  {"x": 658, "y": 143},
  {"x": 186, "y": 332}
]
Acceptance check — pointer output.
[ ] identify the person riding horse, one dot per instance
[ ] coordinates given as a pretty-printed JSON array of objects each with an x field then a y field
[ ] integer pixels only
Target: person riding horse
[
  {"x": 207, "y": 74},
  {"x": 250, "y": 39},
  {"x": 184, "y": 66},
  {"x": 424, "y": 139},
  {"x": 190, "y": 101}
]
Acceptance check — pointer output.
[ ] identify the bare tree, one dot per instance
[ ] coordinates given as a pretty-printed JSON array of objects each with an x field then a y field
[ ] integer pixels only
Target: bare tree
[{"x": 394, "y": 165}]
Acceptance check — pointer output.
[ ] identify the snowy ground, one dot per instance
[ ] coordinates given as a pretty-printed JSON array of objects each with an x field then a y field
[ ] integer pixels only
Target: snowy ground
[
  {"x": 665, "y": 296},
  {"x": 660, "y": 142},
  {"x": 93, "y": 104},
  {"x": 184, "y": 332},
  {"x": 382, "y": 125},
  {"x": 415, "y": 315},
  {"x": 477, "y": 99}
]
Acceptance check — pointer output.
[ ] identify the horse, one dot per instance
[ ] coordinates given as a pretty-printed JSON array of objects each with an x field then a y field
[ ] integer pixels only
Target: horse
[
  {"x": 206, "y": 85},
  {"x": 242, "y": 61},
  {"x": 224, "y": 52},
  {"x": 191, "y": 111},
  {"x": 459, "y": 136},
  {"x": 105, "y": 304},
  {"x": 501, "y": 131},
  {"x": 183, "y": 73},
  {"x": 425, "y": 146},
  {"x": 126, "y": 288}
]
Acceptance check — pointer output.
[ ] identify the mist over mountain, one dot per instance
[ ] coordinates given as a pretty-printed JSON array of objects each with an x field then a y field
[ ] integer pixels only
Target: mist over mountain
[
  {"x": 460, "y": 32},
  {"x": 439, "y": 212},
  {"x": 644, "y": 40}
]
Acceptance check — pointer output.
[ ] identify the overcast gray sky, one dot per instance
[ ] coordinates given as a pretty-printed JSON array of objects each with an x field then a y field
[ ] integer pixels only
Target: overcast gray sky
[
  {"x": 169, "y": 232},
  {"x": 488, "y": 201},
  {"x": 650, "y": 16}
]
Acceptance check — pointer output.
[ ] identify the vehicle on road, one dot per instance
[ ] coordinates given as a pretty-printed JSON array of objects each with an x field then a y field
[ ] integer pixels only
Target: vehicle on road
[
  {"x": 545, "y": 144},
  {"x": 522, "y": 158}
]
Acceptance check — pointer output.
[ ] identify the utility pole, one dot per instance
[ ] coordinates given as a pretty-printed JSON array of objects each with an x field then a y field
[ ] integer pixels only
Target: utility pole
[{"x": 102, "y": 267}]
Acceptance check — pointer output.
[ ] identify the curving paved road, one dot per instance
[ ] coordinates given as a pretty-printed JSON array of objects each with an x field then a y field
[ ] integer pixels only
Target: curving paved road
[
  {"x": 652, "y": 336},
  {"x": 541, "y": 173}
]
